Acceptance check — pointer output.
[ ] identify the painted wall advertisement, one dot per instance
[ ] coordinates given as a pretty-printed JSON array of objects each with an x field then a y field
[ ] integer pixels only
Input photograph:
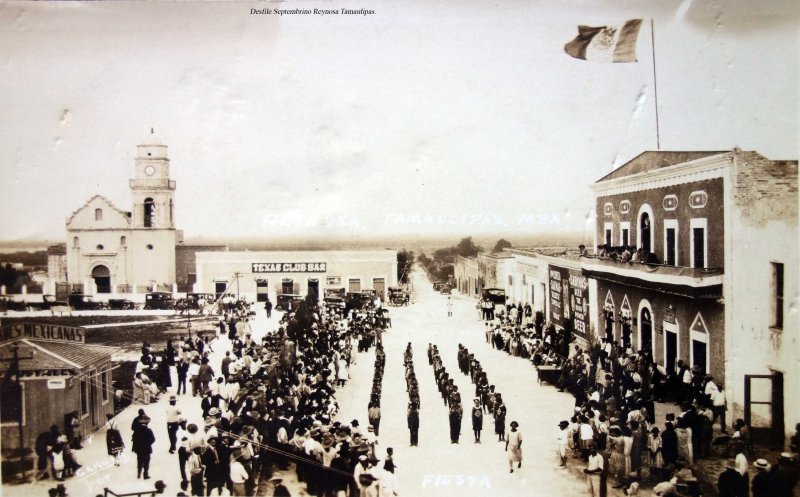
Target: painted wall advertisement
[{"x": 569, "y": 298}]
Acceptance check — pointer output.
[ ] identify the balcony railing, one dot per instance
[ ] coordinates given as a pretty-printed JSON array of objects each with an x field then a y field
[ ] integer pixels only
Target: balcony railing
[
  {"x": 664, "y": 269},
  {"x": 679, "y": 280}
]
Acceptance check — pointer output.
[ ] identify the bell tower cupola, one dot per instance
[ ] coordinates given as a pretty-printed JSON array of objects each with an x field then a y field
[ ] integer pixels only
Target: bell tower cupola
[{"x": 151, "y": 187}]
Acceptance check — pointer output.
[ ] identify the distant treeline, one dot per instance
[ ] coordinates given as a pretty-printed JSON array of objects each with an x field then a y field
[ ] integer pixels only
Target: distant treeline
[{"x": 28, "y": 259}]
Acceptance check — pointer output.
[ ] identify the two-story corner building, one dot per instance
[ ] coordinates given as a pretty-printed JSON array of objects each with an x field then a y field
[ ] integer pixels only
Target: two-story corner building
[
  {"x": 721, "y": 231},
  {"x": 110, "y": 250}
]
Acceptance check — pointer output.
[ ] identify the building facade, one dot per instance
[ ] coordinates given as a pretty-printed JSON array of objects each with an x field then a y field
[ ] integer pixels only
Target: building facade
[
  {"x": 467, "y": 276},
  {"x": 716, "y": 238},
  {"x": 110, "y": 250},
  {"x": 60, "y": 375},
  {"x": 261, "y": 274}
]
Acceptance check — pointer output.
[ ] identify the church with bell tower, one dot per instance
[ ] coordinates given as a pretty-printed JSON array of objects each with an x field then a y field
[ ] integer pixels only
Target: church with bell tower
[{"x": 114, "y": 251}]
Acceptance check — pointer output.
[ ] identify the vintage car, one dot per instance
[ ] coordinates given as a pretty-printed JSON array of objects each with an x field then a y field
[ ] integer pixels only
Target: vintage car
[
  {"x": 497, "y": 296},
  {"x": 398, "y": 296},
  {"x": 288, "y": 301},
  {"x": 360, "y": 300},
  {"x": 122, "y": 305},
  {"x": 159, "y": 300},
  {"x": 335, "y": 297},
  {"x": 81, "y": 302}
]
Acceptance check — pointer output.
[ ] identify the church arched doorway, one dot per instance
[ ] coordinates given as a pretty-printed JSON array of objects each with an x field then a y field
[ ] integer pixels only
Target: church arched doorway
[{"x": 102, "y": 278}]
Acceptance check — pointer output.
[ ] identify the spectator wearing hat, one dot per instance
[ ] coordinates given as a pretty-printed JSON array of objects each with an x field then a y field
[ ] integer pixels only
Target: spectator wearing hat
[
  {"x": 173, "y": 418},
  {"x": 562, "y": 440},
  {"x": 238, "y": 476},
  {"x": 194, "y": 465},
  {"x": 784, "y": 476},
  {"x": 729, "y": 483},
  {"x": 213, "y": 464},
  {"x": 280, "y": 489},
  {"x": 143, "y": 440},
  {"x": 762, "y": 481}
]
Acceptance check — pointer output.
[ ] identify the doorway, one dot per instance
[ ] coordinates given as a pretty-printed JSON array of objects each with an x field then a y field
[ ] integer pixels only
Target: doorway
[
  {"x": 670, "y": 349},
  {"x": 699, "y": 351},
  {"x": 379, "y": 285},
  {"x": 763, "y": 408},
  {"x": 646, "y": 330},
  {"x": 287, "y": 285},
  {"x": 102, "y": 279},
  {"x": 313, "y": 289}
]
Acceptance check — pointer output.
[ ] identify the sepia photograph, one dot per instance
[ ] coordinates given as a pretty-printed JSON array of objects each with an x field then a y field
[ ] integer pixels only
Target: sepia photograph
[{"x": 379, "y": 248}]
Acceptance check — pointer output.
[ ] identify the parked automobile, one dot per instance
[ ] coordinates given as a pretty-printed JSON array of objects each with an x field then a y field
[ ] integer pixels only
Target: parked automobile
[
  {"x": 495, "y": 295},
  {"x": 82, "y": 302},
  {"x": 284, "y": 299},
  {"x": 398, "y": 296},
  {"x": 122, "y": 305},
  {"x": 335, "y": 297},
  {"x": 359, "y": 300},
  {"x": 159, "y": 300}
]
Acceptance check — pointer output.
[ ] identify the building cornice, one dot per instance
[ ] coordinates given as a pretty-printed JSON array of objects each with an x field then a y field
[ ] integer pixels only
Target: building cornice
[{"x": 702, "y": 169}]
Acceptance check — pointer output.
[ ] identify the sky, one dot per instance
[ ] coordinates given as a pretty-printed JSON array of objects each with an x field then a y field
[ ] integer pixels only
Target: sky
[{"x": 426, "y": 117}]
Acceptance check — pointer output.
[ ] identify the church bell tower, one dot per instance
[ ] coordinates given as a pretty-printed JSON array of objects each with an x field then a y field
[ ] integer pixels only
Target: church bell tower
[{"x": 151, "y": 187}]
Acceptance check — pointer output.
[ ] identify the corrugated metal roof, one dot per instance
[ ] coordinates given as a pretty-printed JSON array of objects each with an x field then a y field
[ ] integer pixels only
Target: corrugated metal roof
[
  {"x": 39, "y": 359},
  {"x": 81, "y": 354}
]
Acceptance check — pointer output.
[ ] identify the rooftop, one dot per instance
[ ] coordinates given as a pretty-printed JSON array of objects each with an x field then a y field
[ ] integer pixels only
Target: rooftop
[{"x": 655, "y": 159}]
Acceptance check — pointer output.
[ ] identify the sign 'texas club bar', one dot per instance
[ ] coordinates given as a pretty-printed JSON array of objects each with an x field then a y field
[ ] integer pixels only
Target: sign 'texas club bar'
[{"x": 289, "y": 267}]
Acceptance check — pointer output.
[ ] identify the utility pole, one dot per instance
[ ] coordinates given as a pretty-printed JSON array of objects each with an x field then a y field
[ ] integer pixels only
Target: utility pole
[
  {"x": 237, "y": 274},
  {"x": 14, "y": 371}
]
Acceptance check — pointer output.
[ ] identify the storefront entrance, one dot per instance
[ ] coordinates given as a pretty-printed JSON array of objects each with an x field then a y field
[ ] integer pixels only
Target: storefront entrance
[{"x": 287, "y": 285}]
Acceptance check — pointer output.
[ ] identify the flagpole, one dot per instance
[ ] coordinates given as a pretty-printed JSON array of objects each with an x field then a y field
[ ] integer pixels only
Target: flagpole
[{"x": 655, "y": 81}]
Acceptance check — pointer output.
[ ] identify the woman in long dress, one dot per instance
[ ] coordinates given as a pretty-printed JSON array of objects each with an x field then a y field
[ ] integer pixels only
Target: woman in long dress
[
  {"x": 685, "y": 443},
  {"x": 616, "y": 450},
  {"x": 514, "y": 446}
]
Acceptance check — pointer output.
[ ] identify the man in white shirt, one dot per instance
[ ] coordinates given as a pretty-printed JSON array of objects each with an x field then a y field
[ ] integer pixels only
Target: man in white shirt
[
  {"x": 593, "y": 472},
  {"x": 238, "y": 475}
]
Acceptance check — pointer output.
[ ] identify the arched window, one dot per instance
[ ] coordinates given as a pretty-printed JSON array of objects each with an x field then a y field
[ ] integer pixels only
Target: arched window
[
  {"x": 98, "y": 214},
  {"x": 149, "y": 212},
  {"x": 76, "y": 242},
  {"x": 123, "y": 241}
]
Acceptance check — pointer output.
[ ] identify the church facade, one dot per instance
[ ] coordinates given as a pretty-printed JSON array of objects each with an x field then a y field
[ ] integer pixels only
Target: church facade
[{"x": 113, "y": 251}]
